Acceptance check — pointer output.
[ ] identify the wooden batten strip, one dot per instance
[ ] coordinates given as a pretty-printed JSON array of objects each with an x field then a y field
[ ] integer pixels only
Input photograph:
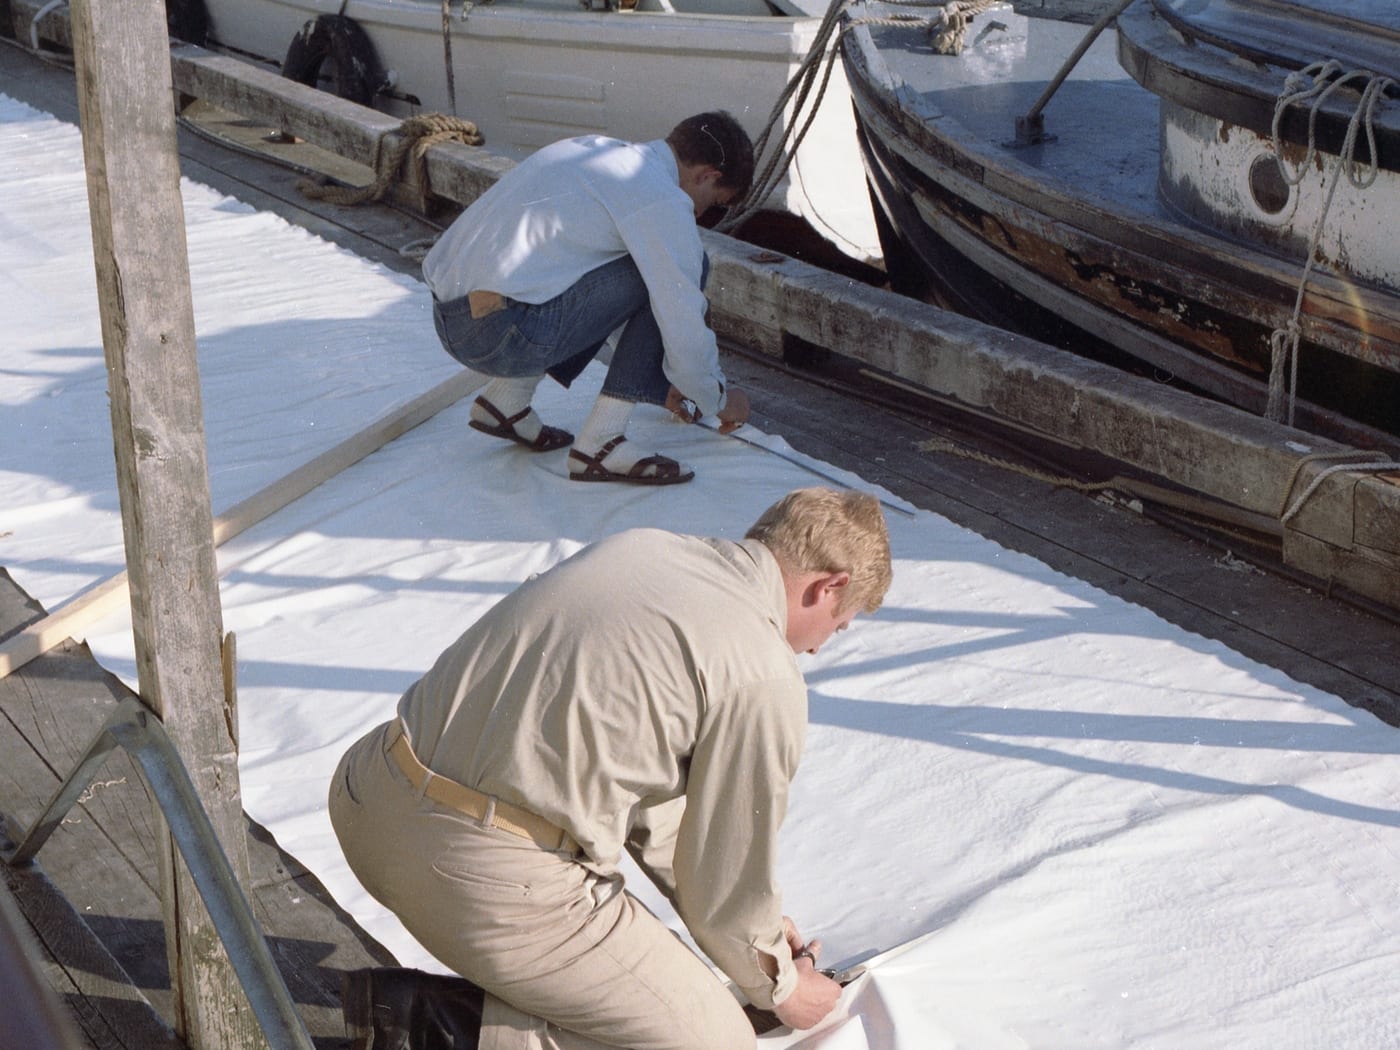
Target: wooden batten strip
[{"x": 109, "y": 595}]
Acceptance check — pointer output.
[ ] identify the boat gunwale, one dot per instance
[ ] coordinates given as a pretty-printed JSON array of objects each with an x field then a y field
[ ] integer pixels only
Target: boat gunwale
[
  {"x": 1235, "y": 384},
  {"x": 1235, "y": 94},
  {"x": 1219, "y": 287},
  {"x": 486, "y": 20},
  {"x": 1255, "y": 8}
]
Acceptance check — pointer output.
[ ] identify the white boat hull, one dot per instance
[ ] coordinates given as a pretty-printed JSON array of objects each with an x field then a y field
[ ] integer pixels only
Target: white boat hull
[{"x": 530, "y": 73}]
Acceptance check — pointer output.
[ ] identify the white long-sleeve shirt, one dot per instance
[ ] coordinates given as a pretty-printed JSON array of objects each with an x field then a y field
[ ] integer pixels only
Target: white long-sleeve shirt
[
  {"x": 641, "y": 695},
  {"x": 572, "y": 207}
]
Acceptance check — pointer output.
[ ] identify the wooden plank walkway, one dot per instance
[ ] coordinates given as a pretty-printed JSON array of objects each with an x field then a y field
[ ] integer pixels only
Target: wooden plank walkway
[
  {"x": 93, "y": 900},
  {"x": 92, "y": 896}
]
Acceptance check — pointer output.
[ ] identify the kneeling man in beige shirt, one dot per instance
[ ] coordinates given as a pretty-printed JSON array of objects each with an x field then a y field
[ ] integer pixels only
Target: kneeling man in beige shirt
[{"x": 643, "y": 695}]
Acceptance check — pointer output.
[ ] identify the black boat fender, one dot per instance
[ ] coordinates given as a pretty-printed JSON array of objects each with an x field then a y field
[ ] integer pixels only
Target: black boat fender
[
  {"x": 187, "y": 20},
  {"x": 355, "y": 69}
]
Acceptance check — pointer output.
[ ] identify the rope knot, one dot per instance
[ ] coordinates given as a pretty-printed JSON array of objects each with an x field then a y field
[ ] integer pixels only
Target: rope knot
[
  {"x": 417, "y": 134},
  {"x": 1297, "y": 82}
]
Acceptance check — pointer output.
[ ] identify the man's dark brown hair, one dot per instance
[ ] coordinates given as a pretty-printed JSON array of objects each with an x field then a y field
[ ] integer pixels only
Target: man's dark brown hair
[{"x": 716, "y": 139}]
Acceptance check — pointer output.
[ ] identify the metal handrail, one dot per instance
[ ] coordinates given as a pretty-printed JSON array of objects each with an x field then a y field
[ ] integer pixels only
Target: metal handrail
[{"x": 136, "y": 729}]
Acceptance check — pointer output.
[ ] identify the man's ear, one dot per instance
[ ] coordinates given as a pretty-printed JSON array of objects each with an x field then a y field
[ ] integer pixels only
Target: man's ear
[{"x": 833, "y": 586}]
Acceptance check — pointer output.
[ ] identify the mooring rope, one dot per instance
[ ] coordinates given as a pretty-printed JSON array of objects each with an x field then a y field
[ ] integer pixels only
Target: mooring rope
[
  {"x": 948, "y": 29},
  {"x": 949, "y": 35},
  {"x": 448, "y": 74},
  {"x": 1377, "y": 466},
  {"x": 938, "y": 444},
  {"x": 1315, "y": 82},
  {"x": 416, "y": 134},
  {"x": 52, "y": 5}
]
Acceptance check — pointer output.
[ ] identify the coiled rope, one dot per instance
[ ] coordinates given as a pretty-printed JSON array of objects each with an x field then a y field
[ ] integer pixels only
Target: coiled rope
[
  {"x": 947, "y": 28},
  {"x": 416, "y": 136},
  {"x": 1315, "y": 82}
]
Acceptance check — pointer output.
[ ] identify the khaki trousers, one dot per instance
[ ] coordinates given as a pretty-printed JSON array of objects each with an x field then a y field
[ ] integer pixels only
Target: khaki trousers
[{"x": 568, "y": 958}]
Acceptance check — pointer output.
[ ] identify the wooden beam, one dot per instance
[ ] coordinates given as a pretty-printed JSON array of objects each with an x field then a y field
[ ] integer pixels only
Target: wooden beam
[
  {"x": 37, "y": 638},
  {"x": 456, "y": 172},
  {"x": 348, "y": 452},
  {"x": 111, "y": 594},
  {"x": 33, "y": 1016},
  {"x": 121, "y": 52},
  {"x": 109, "y": 1010}
]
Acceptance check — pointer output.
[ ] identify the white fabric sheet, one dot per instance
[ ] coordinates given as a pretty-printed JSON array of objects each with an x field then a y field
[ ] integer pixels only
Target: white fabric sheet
[{"x": 1087, "y": 827}]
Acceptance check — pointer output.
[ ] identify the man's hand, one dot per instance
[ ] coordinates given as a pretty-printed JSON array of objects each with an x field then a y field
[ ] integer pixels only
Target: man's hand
[
  {"x": 682, "y": 407},
  {"x": 816, "y": 994},
  {"x": 735, "y": 412},
  {"x": 732, "y": 416}
]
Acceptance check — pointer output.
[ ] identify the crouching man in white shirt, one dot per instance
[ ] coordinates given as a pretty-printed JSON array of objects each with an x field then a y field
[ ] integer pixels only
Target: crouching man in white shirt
[{"x": 583, "y": 237}]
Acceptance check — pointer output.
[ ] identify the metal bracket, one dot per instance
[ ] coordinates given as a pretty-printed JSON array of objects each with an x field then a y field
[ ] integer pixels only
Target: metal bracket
[
  {"x": 1030, "y": 131},
  {"x": 136, "y": 729}
]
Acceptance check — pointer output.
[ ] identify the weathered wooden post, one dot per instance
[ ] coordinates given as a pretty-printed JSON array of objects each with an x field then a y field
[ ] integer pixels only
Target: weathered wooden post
[{"x": 128, "y": 127}]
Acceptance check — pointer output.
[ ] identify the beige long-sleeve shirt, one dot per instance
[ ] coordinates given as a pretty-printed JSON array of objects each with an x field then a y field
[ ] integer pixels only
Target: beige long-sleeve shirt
[{"x": 641, "y": 695}]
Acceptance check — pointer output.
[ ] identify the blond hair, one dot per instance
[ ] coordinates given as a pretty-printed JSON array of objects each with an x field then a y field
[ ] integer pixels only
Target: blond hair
[{"x": 821, "y": 530}]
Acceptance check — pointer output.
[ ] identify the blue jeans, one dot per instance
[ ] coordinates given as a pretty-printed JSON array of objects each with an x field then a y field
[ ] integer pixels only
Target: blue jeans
[{"x": 561, "y": 336}]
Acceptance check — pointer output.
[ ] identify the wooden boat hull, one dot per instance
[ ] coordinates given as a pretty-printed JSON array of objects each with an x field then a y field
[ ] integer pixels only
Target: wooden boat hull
[{"x": 971, "y": 223}]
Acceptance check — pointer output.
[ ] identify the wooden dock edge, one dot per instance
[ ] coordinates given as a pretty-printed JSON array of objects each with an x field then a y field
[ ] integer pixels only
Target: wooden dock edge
[
  {"x": 104, "y": 1004},
  {"x": 1347, "y": 533}
]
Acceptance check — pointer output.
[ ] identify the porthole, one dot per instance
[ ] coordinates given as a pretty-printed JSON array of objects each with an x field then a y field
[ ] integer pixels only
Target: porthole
[{"x": 1268, "y": 189}]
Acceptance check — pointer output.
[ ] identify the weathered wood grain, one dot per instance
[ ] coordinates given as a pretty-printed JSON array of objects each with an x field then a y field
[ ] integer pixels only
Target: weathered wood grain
[
  {"x": 109, "y": 1011},
  {"x": 121, "y": 51},
  {"x": 102, "y": 862}
]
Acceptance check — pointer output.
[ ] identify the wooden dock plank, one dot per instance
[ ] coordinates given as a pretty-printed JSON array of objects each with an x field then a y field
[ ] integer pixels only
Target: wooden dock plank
[
  {"x": 107, "y": 1009},
  {"x": 100, "y": 862}
]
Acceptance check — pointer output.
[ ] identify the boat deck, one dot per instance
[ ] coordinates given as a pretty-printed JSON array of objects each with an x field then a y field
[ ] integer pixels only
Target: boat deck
[
  {"x": 96, "y": 868},
  {"x": 1007, "y": 71}
]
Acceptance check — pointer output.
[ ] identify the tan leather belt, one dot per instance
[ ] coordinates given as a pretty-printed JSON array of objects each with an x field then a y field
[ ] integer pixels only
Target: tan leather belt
[
  {"x": 491, "y": 812},
  {"x": 484, "y": 304}
]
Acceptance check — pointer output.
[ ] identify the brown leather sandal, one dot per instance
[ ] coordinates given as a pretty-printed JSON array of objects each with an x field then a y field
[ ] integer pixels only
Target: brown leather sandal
[
  {"x": 653, "y": 470},
  {"x": 547, "y": 440}
]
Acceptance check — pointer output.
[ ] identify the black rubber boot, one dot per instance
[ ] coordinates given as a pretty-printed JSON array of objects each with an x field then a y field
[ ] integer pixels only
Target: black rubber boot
[{"x": 387, "y": 1008}]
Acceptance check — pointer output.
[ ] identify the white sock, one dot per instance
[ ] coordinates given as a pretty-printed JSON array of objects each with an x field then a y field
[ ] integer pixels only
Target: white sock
[
  {"x": 511, "y": 395},
  {"x": 607, "y": 420}
]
